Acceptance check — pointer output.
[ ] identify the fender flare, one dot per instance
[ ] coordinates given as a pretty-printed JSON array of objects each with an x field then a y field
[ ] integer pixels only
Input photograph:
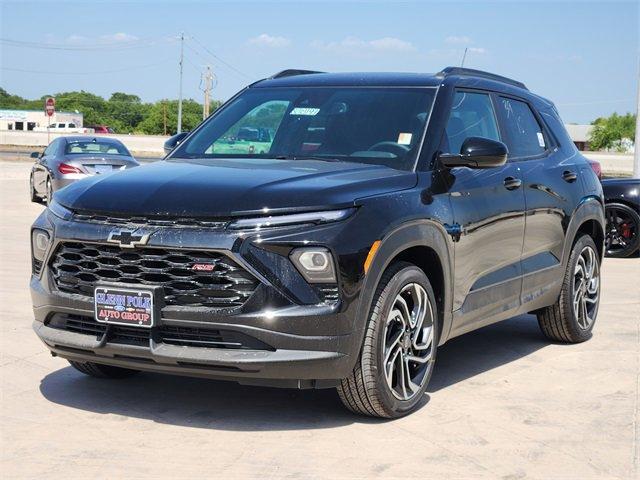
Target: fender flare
[
  {"x": 417, "y": 233},
  {"x": 589, "y": 208}
]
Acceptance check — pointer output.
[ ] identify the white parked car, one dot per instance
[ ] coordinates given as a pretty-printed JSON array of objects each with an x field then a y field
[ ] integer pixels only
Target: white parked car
[{"x": 64, "y": 127}]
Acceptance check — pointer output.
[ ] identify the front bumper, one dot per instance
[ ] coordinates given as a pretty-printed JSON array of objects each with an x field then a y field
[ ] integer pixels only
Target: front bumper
[
  {"x": 281, "y": 368},
  {"x": 309, "y": 345}
]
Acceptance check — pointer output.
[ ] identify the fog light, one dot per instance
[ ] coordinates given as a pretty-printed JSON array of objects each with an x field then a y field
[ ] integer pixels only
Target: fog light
[
  {"x": 39, "y": 244},
  {"x": 315, "y": 264}
]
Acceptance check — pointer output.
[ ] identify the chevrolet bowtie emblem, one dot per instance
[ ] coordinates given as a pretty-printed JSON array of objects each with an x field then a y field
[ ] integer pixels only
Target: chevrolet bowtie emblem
[{"x": 127, "y": 238}]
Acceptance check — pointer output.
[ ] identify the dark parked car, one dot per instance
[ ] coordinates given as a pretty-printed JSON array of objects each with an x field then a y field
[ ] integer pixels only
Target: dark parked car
[
  {"x": 68, "y": 159},
  {"x": 622, "y": 211},
  {"x": 388, "y": 214}
]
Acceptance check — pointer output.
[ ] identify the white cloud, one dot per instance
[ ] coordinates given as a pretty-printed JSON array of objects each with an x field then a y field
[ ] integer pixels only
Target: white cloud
[
  {"x": 265, "y": 40},
  {"x": 75, "y": 39},
  {"x": 118, "y": 37},
  {"x": 357, "y": 45},
  {"x": 457, "y": 40},
  {"x": 478, "y": 50}
]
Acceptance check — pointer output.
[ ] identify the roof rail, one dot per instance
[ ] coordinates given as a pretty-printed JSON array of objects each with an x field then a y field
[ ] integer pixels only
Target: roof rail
[
  {"x": 292, "y": 72},
  {"x": 470, "y": 72}
]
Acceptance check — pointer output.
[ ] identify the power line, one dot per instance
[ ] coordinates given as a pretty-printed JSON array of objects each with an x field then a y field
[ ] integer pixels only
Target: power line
[
  {"x": 117, "y": 45},
  {"x": 227, "y": 64},
  {"x": 85, "y": 72}
]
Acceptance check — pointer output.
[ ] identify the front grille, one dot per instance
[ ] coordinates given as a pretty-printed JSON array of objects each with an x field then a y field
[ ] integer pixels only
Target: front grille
[
  {"x": 197, "y": 337},
  {"x": 77, "y": 268},
  {"x": 138, "y": 221}
]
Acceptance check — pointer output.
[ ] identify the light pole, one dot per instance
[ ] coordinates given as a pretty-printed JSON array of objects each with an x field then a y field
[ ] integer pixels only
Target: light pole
[
  {"x": 180, "y": 91},
  {"x": 636, "y": 154}
]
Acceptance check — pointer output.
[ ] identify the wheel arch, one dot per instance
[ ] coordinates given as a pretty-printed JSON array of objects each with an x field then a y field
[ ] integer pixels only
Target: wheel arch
[
  {"x": 588, "y": 218},
  {"x": 425, "y": 244}
]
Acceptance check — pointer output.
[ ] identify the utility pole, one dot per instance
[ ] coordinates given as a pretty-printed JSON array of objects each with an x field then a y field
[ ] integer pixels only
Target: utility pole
[
  {"x": 464, "y": 56},
  {"x": 180, "y": 91},
  {"x": 164, "y": 116},
  {"x": 206, "y": 85},
  {"x": 636, "y": 155}
]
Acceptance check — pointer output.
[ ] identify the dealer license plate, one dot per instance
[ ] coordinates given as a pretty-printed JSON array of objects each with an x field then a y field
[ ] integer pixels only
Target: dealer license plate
[{"x": 124, "y": 306}]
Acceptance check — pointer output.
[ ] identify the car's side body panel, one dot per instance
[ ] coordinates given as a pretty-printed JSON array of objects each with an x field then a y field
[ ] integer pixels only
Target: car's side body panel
[{"x": 622, "y": 190}]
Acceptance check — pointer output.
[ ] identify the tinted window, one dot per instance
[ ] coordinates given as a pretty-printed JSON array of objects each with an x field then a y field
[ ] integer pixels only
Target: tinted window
[
  {"x": 471, "y": 115},
  {"x": 352, "y": 124},
  {"x": 51, "y": 149},
  {"x": 524, "y": 135},
  {"x": 82, "y": 147}
]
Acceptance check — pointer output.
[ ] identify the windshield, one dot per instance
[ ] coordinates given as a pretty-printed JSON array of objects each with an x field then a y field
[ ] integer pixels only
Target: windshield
[
  {"x": 378, "y": 125},
  {"x": 95, "y": 147}
]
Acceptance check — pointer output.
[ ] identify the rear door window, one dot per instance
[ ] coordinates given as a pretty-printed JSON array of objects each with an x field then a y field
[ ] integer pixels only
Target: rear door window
[
  {"x": 51, "y": 149},
  {"x": 472, "y": 115},
  {"x": 524, "y": 134}
]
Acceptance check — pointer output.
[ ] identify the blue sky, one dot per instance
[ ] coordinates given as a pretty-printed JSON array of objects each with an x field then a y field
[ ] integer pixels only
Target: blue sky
[{"x": 581, "y": 55}]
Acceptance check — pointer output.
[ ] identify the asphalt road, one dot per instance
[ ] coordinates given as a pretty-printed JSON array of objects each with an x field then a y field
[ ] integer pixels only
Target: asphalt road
[{"x": 503, "y": 403}]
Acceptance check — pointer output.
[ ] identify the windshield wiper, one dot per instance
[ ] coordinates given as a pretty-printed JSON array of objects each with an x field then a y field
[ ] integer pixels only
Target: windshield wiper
[{"x": 307, "y": 157}]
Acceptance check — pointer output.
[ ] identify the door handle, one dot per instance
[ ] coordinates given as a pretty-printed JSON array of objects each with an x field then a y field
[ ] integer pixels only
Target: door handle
[
  {"x": 569, "y": 176},
  {"x": 511, "y": 183}
]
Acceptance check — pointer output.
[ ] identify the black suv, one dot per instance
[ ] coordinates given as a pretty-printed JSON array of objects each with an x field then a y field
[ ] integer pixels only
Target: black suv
[{"x": 386, "y": 214}]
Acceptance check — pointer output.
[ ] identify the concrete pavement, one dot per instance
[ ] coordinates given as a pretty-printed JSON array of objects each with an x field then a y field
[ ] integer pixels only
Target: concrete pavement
[{"x": 503, "y": 403}]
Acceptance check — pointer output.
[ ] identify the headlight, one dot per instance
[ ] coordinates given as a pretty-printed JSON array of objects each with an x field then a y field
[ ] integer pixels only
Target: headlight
[
  {"x": 60, "y": 211},
  {"x": 315, "y": 264},
  {"x": 39, "y": 244},
  {"x": 293, "y": 219}
]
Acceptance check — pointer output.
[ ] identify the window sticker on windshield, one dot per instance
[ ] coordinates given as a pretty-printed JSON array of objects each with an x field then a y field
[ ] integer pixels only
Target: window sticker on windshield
[
  {"x": 404, "y": 139},
  {"x": 305, "y": 111},
  {"x": 541, "y": 140}
]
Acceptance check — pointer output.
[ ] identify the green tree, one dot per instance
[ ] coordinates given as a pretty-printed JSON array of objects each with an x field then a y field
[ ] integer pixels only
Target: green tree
[
  {"x": 153, "y": 123},
  {"x": 124, "y": 112},
  {"x": 609, "y": 132}
]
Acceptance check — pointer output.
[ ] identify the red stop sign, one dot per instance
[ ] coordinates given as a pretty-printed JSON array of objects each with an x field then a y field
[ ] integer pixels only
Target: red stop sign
[{"x": 50, "y": 106}]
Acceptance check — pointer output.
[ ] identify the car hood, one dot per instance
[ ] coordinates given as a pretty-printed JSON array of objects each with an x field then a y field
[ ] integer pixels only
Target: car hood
[{"x": 224, "y": 187}]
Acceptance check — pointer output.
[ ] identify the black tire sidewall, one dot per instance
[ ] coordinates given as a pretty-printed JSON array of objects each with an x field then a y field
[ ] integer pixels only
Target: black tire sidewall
[
  {"x": 407, "y": 275},
  {"x": 32, "y": 189},
  {"x": 49, "y": 190}
]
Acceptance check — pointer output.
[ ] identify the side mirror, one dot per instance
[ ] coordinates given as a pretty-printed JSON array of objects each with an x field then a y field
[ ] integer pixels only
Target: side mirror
[
  {"x": 174, "y": 141},
  {"x": 35, "y": 155},
  {"x": 477, "y": 152}
]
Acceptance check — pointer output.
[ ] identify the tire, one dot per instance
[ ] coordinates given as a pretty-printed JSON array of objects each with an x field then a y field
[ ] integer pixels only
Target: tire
[
  {"x": 562, "y": 321},
  {"x": 369, "y": 389},
  {"x": 49, "y": 190},
  {"x": 32, "y": 190},
  {"x": 623, "y": 230},
  {"x": 102, "y": 371}
]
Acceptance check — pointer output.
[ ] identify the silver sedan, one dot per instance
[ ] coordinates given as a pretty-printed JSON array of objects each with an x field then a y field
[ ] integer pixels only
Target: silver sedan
[{"x": 68, "y": 159}]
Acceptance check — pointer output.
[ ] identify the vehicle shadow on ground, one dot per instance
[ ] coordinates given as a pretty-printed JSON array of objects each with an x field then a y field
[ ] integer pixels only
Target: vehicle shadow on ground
[
  {"x": 202, "y": 403},
  {"x": 466, "y": 356}
]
